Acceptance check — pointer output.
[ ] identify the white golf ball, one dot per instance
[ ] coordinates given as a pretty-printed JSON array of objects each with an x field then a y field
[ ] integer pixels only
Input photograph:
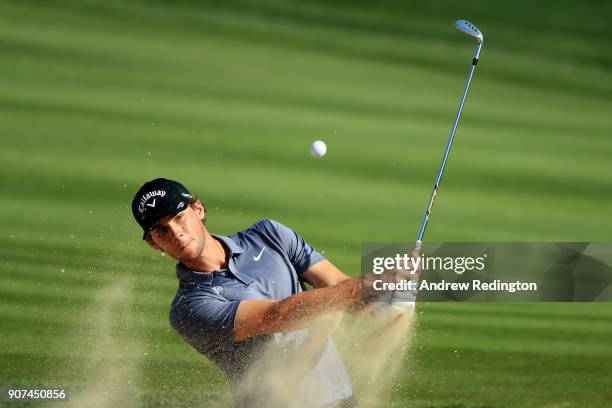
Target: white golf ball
[{"x": 318, "y": 149}]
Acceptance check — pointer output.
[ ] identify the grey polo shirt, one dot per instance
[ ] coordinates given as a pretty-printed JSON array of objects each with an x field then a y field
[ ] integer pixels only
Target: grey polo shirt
[{"x": 265, "y": 262}]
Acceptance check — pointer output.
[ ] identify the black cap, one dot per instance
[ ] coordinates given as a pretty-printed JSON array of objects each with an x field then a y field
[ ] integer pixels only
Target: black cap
[{"x": 157, "y": 199}]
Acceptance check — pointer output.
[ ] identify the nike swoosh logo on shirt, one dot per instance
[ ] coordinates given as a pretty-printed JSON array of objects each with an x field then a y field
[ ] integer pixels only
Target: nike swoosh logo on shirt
[{"x": 258, "y": 257}]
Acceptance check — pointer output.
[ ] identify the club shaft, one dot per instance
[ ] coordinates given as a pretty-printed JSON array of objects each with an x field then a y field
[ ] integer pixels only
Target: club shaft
[{"x": 446, "y": 152}]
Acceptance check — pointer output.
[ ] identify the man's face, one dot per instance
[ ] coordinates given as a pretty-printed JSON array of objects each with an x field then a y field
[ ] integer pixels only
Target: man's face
[{"x": 180, "y": 235}]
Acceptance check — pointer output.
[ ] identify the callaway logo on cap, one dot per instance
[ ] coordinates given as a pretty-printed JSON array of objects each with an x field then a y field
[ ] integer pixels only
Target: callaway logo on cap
[{"x": 157, "y": 199}]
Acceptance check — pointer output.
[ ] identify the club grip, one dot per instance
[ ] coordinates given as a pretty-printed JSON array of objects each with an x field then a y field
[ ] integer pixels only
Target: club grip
[{"x": 417, "y": 247}]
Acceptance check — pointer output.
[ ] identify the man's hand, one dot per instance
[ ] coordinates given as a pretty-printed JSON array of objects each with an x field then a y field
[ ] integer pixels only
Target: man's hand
[{"x": 402, "y": 298}]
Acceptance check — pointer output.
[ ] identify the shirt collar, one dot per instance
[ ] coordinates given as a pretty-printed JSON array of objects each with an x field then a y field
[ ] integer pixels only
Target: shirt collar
[
  {"x": 229, "y": 243},
  {"x": 186, "y": 274}
]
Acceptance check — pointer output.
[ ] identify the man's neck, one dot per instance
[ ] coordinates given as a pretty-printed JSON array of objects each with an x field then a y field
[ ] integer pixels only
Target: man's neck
[{"x": 214, "y": 256}]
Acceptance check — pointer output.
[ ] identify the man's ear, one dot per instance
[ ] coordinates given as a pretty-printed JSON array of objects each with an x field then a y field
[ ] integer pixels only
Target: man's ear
[
  {"x": 200, "y": 209},
  {"x": 152, "y": 244}
]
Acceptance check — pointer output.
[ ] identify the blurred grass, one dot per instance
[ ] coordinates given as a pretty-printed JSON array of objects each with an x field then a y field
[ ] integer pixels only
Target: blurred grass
[{"x": 227, "y": 97}]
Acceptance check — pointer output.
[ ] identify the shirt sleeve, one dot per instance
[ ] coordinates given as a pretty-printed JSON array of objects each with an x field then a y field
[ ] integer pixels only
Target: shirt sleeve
[
  {"x": 300, "y": 253},
  {"x": 205, "y": 319}
]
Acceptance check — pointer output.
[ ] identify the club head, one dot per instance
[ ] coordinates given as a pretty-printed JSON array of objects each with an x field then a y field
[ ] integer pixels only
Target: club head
[{"x": 470, "y": 29}]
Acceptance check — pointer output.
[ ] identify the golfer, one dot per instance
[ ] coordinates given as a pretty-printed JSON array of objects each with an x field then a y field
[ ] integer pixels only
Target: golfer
[{"x": 237, "y": 293}]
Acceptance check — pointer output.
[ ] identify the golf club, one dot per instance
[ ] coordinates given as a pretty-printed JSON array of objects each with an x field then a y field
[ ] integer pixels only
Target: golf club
[{"x": 471, "y": 30}]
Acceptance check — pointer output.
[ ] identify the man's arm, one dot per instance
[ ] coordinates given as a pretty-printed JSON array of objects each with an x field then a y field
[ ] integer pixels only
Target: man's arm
[
  {"x": 256, "y": 317},
  {"x": 323, "y": 274}
]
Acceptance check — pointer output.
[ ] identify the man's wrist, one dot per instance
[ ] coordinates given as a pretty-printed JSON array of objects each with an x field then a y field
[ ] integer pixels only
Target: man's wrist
[{"x": 357, "y": 301}]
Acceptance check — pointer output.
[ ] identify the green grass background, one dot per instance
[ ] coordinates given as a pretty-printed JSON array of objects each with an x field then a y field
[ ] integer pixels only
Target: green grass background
[{"x": 99, "y": 96}]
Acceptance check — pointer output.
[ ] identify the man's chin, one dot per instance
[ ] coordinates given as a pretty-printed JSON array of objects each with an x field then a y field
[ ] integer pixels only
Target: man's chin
[{"x": 189, "y": 253}]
